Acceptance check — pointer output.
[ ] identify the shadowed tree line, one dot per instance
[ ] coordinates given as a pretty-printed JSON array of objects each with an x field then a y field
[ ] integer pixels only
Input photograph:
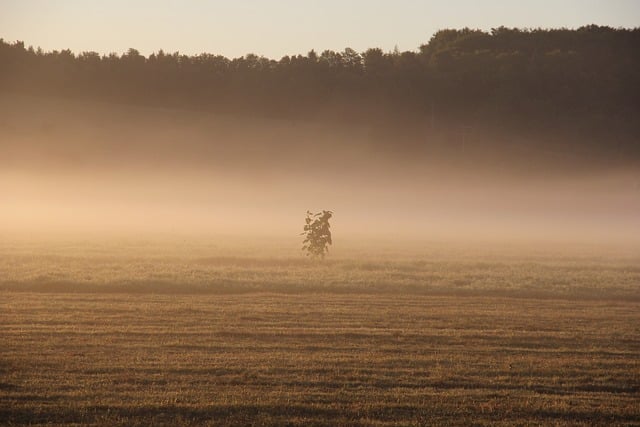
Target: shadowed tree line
[{"x": 584, "y": 82}]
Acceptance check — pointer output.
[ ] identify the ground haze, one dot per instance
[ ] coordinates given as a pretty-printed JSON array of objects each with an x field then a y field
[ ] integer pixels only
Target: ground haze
[{"x": 76, "y": 168}]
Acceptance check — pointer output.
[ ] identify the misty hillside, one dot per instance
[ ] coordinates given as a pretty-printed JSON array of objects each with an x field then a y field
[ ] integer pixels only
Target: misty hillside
[
  {"x": 88, "y": 165},
  {"x": 503, "y": 134},
  {"x": 569, "y": 98}
]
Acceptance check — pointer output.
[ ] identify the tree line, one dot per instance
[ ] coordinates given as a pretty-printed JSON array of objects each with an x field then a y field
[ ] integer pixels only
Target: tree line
[{"x": 585, "y": 80}]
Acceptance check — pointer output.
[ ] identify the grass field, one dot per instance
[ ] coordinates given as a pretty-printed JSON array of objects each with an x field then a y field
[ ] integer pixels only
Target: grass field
[
  {"x": 167, "y": 335},
  {"x": 219, "y": 266}
]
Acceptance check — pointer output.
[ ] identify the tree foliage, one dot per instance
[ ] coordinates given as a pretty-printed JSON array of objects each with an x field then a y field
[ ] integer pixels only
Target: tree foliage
[
  {"x": 317, "y": 234},
  {"x": 584, "y": 79}
]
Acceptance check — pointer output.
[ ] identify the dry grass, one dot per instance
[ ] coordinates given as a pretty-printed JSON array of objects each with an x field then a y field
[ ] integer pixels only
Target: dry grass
[
  {"x": 205, "y": 336},
  {"x": 204, "y": 267},
  {"x": 317, "y": 359}
]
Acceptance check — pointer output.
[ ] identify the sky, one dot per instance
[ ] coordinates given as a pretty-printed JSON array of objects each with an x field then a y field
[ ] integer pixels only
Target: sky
[{"x": 275, "y": 28}]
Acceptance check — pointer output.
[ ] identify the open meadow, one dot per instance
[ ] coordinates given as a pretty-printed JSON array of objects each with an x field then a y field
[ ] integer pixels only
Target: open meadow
[
  {"x": 144, "y": 333},
  {"x": 286, "y": 213}
]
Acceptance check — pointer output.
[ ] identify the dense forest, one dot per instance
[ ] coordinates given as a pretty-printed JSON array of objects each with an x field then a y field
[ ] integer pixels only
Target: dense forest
[{"x": 582, "y": 83}]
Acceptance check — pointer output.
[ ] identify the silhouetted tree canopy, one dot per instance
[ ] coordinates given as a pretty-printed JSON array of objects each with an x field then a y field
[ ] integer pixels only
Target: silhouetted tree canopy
[{"x": 585, "y": 80}]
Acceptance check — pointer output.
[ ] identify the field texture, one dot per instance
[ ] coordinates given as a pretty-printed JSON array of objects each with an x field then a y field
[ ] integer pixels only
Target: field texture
[
  {"x": 324, "y": 359},
  {"x": 97, "y": 336},
  {"x": 177, "y": 266}
]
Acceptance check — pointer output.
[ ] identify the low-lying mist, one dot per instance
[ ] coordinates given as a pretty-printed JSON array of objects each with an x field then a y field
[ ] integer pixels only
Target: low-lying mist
[{"x": 81, "y": 168}]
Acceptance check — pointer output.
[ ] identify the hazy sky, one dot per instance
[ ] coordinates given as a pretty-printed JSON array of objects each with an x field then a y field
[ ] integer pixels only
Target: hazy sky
[{"x": 277, "y": 27}]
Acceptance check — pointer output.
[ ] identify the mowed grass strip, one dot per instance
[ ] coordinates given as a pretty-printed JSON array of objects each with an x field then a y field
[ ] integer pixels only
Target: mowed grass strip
[
  {"x": 355, "y": 359},
  {"x": 526, "y": 276}
]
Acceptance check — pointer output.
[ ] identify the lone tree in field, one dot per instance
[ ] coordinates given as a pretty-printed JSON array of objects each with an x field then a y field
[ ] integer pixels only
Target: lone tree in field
[{"x": 317, "y": 234}]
